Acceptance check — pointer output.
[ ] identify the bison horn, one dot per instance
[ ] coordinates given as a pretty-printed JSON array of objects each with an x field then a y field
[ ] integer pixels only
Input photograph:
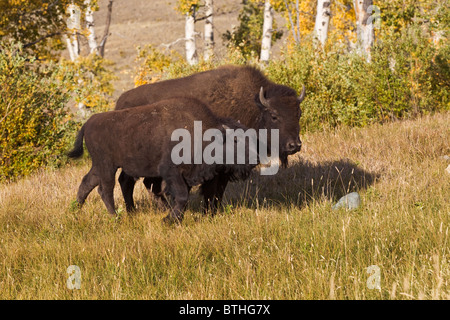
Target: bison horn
[
  {"x": 263, "y": 100},
  {"x": 302, "y": 95}
]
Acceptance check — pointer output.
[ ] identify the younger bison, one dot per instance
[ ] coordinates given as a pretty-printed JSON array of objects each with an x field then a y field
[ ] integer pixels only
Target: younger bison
[{"x": 139, "y": 140}]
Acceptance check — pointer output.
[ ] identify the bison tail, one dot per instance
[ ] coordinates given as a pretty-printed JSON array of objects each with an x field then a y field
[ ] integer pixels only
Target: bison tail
[{"x": 77, "y": 150}]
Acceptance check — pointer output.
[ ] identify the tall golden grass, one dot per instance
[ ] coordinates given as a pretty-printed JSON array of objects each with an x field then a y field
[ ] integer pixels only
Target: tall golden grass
[{"x": 276, "y": 237}]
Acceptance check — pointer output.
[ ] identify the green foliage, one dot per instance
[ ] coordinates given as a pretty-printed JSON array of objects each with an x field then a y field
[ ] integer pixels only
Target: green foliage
[
  {"x": 152, "y": 63},
  {"x": 38, "y": 24},
  {"x": 407, "y": 76},
  {"x": 185, "y": 6},
  {"x": 247, "y": 36},
  {"x": 34, "y": 123},
  {"x": 92, "y": 81},
  {"x": 398, "y": 14}
]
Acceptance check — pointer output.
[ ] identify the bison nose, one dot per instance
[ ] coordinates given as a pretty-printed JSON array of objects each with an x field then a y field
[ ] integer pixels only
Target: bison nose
[{"x": 294, "y": 146}]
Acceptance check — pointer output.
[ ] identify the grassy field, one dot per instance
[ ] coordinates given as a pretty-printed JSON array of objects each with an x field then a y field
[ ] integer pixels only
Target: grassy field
[{"x": 276, "y": 238}]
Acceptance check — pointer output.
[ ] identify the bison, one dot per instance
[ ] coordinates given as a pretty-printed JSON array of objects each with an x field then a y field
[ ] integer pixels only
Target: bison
[
  {"x": 242, "y": 93},
  {"x": 139, "y": 140}
]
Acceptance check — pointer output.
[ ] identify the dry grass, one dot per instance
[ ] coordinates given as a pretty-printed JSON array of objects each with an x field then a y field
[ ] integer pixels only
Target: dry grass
[{"x": 277, "y": 237}]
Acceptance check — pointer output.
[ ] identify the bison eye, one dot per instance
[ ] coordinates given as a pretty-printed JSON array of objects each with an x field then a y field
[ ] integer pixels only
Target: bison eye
[{"x": 274, "y": 117}]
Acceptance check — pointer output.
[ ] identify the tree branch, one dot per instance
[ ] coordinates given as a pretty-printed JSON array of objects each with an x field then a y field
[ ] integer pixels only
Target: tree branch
[
  {"x": 168, "y": 45},
  {"x": 203, "y": 18},
  {"x": 294, "y": 33},
  {"x": 101, "y": 47},
  {"x": 41, "y": 38}
]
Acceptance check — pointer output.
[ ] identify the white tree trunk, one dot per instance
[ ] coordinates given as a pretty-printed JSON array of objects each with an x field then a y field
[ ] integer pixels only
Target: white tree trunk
[
  {"x": 90, "y": 27},
  {"x": 69, "y": 47},
  {"x": 266, "y": 42},
  {"x": 365, "y": 30},
  {"x": 322, "y": 21},
  {"x": 73, "y": 45},
  {"x": 191, "y": 48},
  {"x": 73, "y": 24},
  {"x": 209, "y": 32}
]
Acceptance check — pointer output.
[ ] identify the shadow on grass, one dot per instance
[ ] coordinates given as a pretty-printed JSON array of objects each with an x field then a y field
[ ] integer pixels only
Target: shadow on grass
[
  {"x": 298, "y": 184},
  {"x": 301, "y": 182}
]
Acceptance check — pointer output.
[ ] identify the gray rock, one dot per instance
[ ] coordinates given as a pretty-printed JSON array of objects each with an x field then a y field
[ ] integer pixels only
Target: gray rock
[{"x": 350, "y": 201}]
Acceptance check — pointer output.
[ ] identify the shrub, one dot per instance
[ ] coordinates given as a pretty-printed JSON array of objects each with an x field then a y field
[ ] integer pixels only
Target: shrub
[
  {"x": 156, "y": 65},
  {"x": 34, "y": 123},
  {"x": 152, "y": 63},
  {"x": 91, "y": 82},
  {"x": 408, "y": 76}
]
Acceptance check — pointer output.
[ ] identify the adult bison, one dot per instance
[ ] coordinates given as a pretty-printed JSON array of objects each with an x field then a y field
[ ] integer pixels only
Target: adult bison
[
  {"x": 139, "y": 140},
  {"x": 242, "y": 93}
]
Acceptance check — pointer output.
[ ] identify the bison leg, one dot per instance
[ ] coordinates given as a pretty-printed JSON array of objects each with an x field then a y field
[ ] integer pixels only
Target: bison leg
[
  {"x": 178, "y": 189},
  {"x": 208, "y": 190},
  {"x": 127, "y": 186},
  {"x": 154, "y": 185},
  {"x": 213, "y": 191},
  {"x": 106, "y": 191},
  {"x": 221, "y": 186},
  {"x": 89, "y": 182}
]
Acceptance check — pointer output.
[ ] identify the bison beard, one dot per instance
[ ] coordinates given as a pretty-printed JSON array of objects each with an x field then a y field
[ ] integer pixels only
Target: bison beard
[{"x": 284, "y": 160}]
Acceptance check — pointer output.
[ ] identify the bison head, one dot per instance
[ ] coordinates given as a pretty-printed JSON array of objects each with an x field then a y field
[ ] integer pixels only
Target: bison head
[{"x": 280, "y": 109}]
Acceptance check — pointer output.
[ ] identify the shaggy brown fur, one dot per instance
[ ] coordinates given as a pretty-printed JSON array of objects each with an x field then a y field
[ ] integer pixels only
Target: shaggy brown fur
[
  {"x": 229, "y": 91},
  {"x": 138, "y": 140}
]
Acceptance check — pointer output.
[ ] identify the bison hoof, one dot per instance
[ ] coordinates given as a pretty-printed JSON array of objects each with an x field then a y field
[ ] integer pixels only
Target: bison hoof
[
  {"x": 130, "y": 209},
  {"x": 75, "y": 206},
  {"x": 171, "y": 220}
]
